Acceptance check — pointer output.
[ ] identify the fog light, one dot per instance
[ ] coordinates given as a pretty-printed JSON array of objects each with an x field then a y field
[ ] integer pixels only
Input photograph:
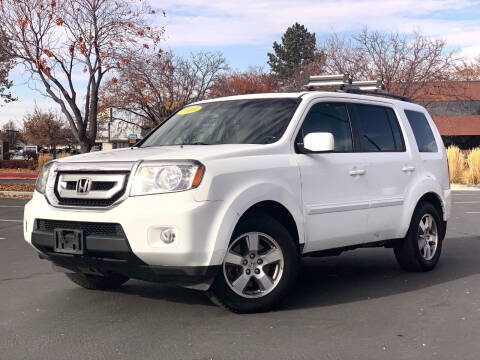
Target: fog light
[{"x": 168, "y": 235}]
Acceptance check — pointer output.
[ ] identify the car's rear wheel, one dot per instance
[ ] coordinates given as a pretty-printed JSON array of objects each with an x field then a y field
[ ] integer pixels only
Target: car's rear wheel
[
  {"x": 421, "y": 248},
  {"x": 94, "y": 282},
  {"x": 260, "y": 266}
]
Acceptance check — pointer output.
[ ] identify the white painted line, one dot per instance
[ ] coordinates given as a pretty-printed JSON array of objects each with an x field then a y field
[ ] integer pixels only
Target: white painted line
[
  {"x": 11, "y": 206},
  {"x": 472, "y": 212},
  {"x": 11, "y": 220},
  {"x": 2, "y": 239}
]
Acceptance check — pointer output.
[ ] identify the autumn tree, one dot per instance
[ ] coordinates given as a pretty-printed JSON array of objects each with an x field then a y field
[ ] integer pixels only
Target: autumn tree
[
  {"x": 252, "y": 81},
  {"x": 46, "y": 128},
  {"x": 292, "y": 58},
  {"x": 153, "y": 87},
  {"x": 408, "y": 65},
  {"x": 11, "y": 134},
  {"x": 6, "y": 65},
  {"x": 59, "y": 40}
]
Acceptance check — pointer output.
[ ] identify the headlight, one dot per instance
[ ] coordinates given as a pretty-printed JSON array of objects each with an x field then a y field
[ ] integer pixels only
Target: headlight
[
  {"x": 166, "y": 177},
  {"x": 42, "y": 177}
]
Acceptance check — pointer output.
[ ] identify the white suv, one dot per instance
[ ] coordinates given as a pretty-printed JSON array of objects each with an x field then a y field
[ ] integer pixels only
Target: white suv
[{"x": 228, "y": 194}]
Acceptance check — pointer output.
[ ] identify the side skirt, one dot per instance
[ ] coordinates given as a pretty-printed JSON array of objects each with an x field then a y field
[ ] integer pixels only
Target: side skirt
[{"x": 337, "y": 251}]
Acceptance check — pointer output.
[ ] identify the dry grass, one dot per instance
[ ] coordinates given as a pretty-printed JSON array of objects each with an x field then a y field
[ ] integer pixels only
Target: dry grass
[
  {"x": 472, "y": 174},
  {"x": 456, "y": 163},
  {"x": 464, "y": 165},
  {"x": 44, "y": 158}
]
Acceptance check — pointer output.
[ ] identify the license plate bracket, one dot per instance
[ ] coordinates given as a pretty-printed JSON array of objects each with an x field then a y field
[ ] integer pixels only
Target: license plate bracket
[{"x": 69, "y": 241}]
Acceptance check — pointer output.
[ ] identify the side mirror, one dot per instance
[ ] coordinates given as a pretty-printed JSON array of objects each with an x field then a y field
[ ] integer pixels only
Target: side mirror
[{"x": 318, "y": 142}]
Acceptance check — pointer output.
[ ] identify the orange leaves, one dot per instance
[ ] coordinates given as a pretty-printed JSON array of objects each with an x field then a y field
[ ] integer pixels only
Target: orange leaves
[
  {"x": 118, "y": 65},
  {"x": 59, "y": 21},
  {"x": 114, "y": 80},
  {"x": 126, "y": 60},
  {"x": 130, "y": 25},
  {"x": 90, "y": 36},
  {"x": 41, "y": 64},
  {"x": 83, "y": 48},
  {"x": 71, "y": 50},
  {"x": 50, "y": 16},
  {"x": 110, "y": 43},
  {"x": 146, "y": 46},
  {"x": 53, "y": 3},
  {"x": 48, "y": 52},
  {"x": 141, "y": 32},
  {"x": 22, "y": 22},
  {"x": 141, "y": 84},
  {"x": 40, "y": 5},
  {"x": 103, "y": 54}
]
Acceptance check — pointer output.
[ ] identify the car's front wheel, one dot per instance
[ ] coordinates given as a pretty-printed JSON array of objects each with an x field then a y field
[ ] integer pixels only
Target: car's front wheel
[{"x": 260, "y": 266}]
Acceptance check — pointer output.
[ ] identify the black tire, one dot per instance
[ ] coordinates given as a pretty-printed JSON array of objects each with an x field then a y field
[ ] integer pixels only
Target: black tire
[
  {"x": 220, "y": 292},
  {"x": 93, "y": 282},
  {"x": 407, "y": 253}
]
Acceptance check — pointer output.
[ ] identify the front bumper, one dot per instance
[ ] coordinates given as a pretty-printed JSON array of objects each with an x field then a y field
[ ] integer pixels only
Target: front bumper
[
  {"x": 107, "y": 250},
  {"x": 199, "y": 226}
]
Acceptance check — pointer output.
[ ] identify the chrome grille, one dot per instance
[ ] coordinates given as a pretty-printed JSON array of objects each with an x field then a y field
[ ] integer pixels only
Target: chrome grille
[{"x": 88, "y": 185}]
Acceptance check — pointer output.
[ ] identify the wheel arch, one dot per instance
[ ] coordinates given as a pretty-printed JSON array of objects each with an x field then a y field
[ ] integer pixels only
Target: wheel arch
[{"x": 278, "y": 212}]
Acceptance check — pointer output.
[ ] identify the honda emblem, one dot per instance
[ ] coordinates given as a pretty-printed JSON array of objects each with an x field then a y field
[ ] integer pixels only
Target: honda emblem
[{"x": 84, "y": 185}]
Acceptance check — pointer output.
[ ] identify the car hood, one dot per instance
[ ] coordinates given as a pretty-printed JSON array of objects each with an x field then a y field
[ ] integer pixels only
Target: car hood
[{"x": 184, "y": 152}]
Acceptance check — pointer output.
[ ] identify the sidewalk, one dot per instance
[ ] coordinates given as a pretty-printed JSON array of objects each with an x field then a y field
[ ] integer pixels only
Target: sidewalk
[{"x": 462, "y": 187}]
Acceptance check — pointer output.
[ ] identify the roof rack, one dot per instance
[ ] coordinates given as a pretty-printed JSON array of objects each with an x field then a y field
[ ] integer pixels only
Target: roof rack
[
  {"x": 346, "y": 84},
  {"x": 384, "y": 94}
]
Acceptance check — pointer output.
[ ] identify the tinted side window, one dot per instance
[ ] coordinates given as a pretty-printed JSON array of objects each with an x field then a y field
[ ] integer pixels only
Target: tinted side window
[
  {"x": 397, "y": 132},
  {"x": 422, "y": 131},
  {"x": 379, "y": 130},
  {"x": 332, "y": 118}
]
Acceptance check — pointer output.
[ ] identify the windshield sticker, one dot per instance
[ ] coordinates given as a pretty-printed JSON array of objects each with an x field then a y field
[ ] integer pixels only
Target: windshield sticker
[{"x": 189, "y": 110}]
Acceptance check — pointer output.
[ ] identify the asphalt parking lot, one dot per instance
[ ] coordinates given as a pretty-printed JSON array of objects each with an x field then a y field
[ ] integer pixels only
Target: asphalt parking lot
[{"x": 359, "y": 305}]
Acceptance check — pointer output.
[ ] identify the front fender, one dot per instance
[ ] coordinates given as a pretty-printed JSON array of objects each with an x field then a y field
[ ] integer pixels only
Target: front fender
[{"x": 243, "y": 199}]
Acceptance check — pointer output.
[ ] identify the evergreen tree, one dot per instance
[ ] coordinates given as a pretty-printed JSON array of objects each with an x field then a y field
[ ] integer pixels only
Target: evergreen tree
[{"x": 297, "y": 50}]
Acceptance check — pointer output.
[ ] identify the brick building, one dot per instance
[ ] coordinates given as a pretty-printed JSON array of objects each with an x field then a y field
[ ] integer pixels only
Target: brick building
[{"x": 456, "y": 113}]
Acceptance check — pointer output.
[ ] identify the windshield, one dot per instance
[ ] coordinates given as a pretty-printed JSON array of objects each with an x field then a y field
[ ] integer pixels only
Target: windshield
[{"x": 258, "y": 121}]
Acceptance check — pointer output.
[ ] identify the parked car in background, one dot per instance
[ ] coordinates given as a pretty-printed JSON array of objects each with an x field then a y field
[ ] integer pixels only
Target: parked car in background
[{"x": 229, "y": 194}]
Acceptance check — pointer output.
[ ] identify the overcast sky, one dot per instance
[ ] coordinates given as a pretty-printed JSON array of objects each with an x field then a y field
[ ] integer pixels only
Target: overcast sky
[{"x": 244, "y": 30}]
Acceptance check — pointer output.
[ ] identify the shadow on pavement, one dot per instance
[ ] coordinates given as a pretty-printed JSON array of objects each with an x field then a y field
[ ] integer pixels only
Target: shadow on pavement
[{"x": 354, "y": 276}]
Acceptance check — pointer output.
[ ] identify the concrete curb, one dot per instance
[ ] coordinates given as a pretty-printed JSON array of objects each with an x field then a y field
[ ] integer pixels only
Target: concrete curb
[
  {"x": 462, "y": 187},
  {"x": 24, "y": 193}
]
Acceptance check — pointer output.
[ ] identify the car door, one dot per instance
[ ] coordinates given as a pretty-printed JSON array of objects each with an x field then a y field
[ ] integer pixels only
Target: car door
[
  {"x": 334, "y": 186},
  {"x": 390, "y": 167}
]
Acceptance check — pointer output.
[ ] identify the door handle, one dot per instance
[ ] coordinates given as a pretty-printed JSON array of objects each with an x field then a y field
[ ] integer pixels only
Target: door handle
[
  {"x": 357, "y": 172},
  {"x": 408, "y": 168}
]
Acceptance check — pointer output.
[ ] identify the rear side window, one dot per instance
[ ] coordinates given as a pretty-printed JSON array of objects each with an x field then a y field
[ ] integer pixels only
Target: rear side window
[
  {"x": 422, "y": 131},
  {"x": 332, "y": 118},
  {"x": 378, "y": 128}
]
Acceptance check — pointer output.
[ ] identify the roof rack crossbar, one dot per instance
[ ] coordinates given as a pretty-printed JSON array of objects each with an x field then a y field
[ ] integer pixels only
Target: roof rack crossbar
[
  {"x": 377, "y": 93},
  {"x": 344, "y": 83}
]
